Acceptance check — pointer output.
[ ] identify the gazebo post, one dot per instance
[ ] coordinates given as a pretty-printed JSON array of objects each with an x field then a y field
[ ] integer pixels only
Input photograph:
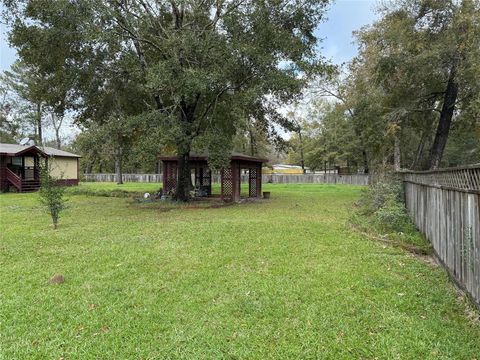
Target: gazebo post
[
  {"x": 227, "y": 184},
  {"x": 251, "y": 179},
  {"x": 209, "y": 179},
  {"x": 222, "y": 185},
  {"x": 164, "y": 177},
  {"x": 197, "y": 181},
  {"x": 259, "y": 181},
  {"x": 236, "y": 181}
]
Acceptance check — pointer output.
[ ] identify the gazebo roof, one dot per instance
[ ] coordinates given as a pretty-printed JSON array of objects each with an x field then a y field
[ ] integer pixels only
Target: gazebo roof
[{"x": 204, "y": 157}]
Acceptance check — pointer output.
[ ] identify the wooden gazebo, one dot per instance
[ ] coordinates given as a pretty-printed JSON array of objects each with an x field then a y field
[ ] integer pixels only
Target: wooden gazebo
[{"x": 230, "y": 177}]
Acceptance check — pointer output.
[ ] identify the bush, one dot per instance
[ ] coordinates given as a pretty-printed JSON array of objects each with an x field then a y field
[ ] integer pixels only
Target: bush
[
  {"x": 382, "y": 213},
  {"x": 384, "y": 201},
  {"x": 392, "y": 215},
  {"x": 376, "y": 195}
]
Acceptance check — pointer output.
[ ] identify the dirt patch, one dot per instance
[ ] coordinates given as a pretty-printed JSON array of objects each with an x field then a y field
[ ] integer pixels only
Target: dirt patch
[
  {"x": 195, "y": 204},
  {"x": 428, "y": 259},
  {"x": 56, "y": 279}
]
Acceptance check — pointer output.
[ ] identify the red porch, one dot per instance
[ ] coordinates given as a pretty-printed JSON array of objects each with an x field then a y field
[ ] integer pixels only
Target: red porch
[{"x": 21, "y": 169}]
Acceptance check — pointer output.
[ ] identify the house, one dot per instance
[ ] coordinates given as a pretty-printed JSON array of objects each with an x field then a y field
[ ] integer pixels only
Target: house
[{"x": 20, "y": 164}]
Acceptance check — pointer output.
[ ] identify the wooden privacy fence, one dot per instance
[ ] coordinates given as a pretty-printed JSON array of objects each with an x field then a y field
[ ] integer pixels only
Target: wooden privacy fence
[
  {"x": 143, "y": 178},
  {"x": 445, "y": 206},
  {"x": 357, "y": 179}
]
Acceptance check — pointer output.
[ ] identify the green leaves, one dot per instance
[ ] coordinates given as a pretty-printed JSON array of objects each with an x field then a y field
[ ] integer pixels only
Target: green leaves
[
  {"x": 400, "y": 77},
  {"x": 51, "y": 194},
  {"x": 198, "y": 70}
]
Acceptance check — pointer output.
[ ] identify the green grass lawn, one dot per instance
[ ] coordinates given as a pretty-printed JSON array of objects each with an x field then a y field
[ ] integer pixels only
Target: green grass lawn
[{"x": 283, "y": 279}]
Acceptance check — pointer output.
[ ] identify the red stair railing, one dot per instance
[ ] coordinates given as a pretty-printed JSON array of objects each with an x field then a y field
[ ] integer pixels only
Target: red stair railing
[{"x": 14, "y": 179}]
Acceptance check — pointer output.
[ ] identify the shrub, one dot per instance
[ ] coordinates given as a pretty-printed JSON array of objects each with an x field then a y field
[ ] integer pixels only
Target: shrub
[
  {"x": 392, "y": 215},
  {"x": 384, "y": 201},
  {"x": 377, "y": 194},
  {"x": 382, "y": 212}
]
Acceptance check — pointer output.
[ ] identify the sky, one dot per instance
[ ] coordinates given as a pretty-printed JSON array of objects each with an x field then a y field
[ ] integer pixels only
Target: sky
[
  {"x": 7, "y": 54},
  {"x": 342, "y": 18}
]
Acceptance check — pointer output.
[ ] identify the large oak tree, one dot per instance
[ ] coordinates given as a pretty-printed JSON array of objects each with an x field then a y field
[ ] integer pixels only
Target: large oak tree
[{"x": 205, "y": 65}]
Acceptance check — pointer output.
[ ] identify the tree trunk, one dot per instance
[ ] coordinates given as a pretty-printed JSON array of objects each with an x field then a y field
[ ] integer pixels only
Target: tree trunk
[
  {"x": 184, "y": 145},
  {"x": 417, "y": 161},
  {"x": 419, "y": 152},
  {"x": 57, "y": 138},
  {"x": 365, "y": 161},
  {"x": 396, "y": 151},
  {"x": 441, "y": 136},
  {"x": 57, "y": 122},
  {"x": 302, "y": 159},
  {"x": 118, "y": 166},
  {"x": 184, "y": 175},
  {"x": 252, "y": 142},
  {"x": 39, "y": 124}
]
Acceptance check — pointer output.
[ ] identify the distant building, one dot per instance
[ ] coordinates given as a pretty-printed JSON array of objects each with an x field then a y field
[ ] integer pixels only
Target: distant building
[{"x": 285, "y": 169}]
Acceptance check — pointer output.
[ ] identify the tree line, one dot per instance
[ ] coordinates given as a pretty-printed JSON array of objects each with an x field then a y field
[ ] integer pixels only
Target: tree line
[
  {"x": 410, "y": 99},
  {"x": 141, "y": 78}
]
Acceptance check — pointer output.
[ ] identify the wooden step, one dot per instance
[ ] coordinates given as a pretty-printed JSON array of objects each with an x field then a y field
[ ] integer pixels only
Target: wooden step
[
  {"x": 29, "y": 190},
  {"x": 30, "y": 185}
]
